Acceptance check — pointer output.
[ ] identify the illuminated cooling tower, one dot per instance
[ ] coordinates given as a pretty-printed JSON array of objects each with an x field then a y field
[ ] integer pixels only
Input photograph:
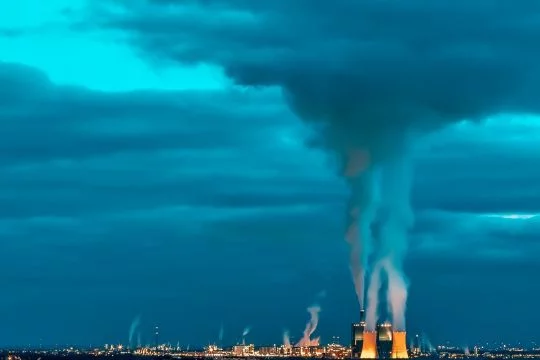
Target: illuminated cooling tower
[
  {"x": 399, "y": 345},
  {"x": 369, "y": 347}
]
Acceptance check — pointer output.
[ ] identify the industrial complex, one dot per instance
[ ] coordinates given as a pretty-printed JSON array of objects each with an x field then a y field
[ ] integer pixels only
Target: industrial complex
[{"x": 383, "y": 343}]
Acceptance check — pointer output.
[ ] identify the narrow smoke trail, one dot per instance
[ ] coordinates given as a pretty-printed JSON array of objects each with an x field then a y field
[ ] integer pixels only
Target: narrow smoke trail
[
  {"x": 246, "y": 331},
  {"x": 221, "y": 333},
  {"x": 134, "y": 325},
  {"x": 311, "y": 326},
  {"x": 139, "y": 342}
]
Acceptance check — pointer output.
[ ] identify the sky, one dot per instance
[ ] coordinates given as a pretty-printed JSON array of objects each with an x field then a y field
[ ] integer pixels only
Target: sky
[{"x": 156, "y": 161}]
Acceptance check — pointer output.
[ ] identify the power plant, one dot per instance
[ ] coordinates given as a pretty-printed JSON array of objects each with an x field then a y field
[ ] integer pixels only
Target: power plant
[{"x": 383, "y": 343}]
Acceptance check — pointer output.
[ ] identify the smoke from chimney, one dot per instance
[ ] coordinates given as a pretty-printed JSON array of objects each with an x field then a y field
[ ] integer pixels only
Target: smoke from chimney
[
  {"x": 311, "y": 326},
  {"x": 286, "y": 339},
  {"x": 246, "y": 331},
  {"x": 133, "y": 327},
  {"x": 373, "y": 93},
  {"x": 221, "y": 333}
]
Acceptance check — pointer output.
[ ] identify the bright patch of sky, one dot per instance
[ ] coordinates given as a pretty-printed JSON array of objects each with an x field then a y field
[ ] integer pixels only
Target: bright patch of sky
[
  {"x": 36, "y": 33},
  {"x": 513, "y": 216}
]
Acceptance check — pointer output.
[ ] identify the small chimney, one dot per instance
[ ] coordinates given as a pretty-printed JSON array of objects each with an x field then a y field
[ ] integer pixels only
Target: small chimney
[
  {"x": 369, "y": 347},
  {"x": 399, "y": 345}
]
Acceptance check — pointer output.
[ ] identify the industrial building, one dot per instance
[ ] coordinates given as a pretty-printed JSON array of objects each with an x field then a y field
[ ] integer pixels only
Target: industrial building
[
  {"x": 357, "y": 335},
  {"x": 383, "y": 343}
]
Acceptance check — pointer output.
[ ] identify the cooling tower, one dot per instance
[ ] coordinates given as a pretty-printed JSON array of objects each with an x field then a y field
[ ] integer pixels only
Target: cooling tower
[
  {"x": 369, "y": 347},
  {"x": 399, "y": 345}
]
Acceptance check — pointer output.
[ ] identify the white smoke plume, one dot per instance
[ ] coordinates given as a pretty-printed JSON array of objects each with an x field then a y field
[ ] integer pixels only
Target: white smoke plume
[
  {"x": 311, "y": 326},
  {"x": 373, "y": 298},
  {"x": 134, "y": 326},
  {"x": 286, "y": 339},
  {"x": 409, "y": 72},
  {"x": 246, "y": 331},
  {"x": 221, "y": 333},
  {"x": 139, "y": 341}
]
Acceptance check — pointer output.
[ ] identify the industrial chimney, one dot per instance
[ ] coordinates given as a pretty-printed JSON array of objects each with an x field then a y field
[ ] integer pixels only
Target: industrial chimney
[
  {"x": 399, "y": 345},
  {"x": 369, "y": 347}
]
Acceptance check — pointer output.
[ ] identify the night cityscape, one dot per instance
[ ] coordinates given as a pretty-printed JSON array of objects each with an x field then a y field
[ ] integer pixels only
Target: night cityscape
[{"x": 329, "y": 179}]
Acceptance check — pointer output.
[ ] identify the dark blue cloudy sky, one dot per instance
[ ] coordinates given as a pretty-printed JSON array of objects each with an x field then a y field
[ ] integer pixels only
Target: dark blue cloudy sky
[{"x": 141, "y": 173}]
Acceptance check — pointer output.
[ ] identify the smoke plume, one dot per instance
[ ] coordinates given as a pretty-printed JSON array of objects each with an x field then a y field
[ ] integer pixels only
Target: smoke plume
[
  {"x": 311, "y": 326},
  {"x": 134, "y": 326},
  {"x": 246, "y": 331},
  {"x": 221, "y": 333},
  {"x": 286, "y": 339},
  {"x": 391, "y": 71}
]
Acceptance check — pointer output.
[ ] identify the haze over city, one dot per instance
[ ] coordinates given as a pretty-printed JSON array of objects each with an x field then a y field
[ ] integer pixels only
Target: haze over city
[{"x": 225, "y": 169}]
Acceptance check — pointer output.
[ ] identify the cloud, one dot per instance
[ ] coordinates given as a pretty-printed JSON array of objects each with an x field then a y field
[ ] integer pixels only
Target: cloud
[
  {"x": 127, "y": 195},
  {"x": 400, "y": 63},
  {"x": 481, "y": 168}
]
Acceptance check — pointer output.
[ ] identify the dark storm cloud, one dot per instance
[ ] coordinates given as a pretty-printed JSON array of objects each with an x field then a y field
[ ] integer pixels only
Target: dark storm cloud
[
  {"x": 138, "y": 200},
  {"x": 79, "y": 122},
  {"x": 372, "y": 68},
  {"x": 490, "y": 167}
]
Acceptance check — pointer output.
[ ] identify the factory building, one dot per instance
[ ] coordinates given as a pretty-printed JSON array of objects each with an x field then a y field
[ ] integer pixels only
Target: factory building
[
  {"x": 384, "y": 343},
  {"x": 357, "y": 335}
]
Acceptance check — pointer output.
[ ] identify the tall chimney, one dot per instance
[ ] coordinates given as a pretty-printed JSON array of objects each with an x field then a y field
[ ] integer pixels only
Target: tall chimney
[
  {"x": 369, "y": 347},
  {"x": 399, "y": 345}
]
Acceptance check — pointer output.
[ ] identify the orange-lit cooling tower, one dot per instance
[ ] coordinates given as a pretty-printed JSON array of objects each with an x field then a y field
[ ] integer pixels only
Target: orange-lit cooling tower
[
  {"x": 399, "y": 345},
  {"x": 369, "y": 347}
]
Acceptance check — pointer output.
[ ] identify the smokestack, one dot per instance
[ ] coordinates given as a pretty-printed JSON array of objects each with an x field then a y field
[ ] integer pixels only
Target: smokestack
[
  {"x": 369, "y": 347},
  {"x": 362, "y": 316},
  {"x": 399, "y": 345}
]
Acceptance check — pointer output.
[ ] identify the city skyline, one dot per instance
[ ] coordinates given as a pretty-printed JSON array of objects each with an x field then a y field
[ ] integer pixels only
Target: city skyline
[{"x": 183, "y": 185}]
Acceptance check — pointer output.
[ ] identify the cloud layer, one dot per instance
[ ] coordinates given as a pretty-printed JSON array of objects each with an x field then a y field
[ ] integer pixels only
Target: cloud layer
[{"x": 115, "y": 204}]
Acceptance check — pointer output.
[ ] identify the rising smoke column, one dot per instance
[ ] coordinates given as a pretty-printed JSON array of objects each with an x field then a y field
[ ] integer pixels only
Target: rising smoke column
[
  {"x": 361, "y": 210},
  {"x": 366, "y": 74},
  {"x": 246, "y": 331},
  {"x": 133, "y": 327},
  {"x": 286, "y": 339},
  {"x": 221, "y": 333},
  {"x": 311, "y": 326}
]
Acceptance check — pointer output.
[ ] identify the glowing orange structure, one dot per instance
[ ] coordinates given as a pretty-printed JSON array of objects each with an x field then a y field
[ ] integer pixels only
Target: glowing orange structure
[
  {"x": 399, "y": 345},
  {"x": 369, "y": 347}
]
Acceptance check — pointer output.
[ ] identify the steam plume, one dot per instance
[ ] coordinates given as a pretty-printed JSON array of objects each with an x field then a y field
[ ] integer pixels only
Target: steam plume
[
  {"x": 134, "y": 325},
  {"x": 311, "y": 326},
  {"x": 286, "y": 339},
  {"x": 221, "y": 333},
  {"x": 246, "y": 331},
  {"x": 373, "y": 298},
  {"x": 378, "y": 83}
]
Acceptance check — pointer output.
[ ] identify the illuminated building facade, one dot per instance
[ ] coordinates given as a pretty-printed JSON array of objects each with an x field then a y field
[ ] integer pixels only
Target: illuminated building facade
[
  {"x": 384, "y": 340},
  {"x": 357, "y": 335}
]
